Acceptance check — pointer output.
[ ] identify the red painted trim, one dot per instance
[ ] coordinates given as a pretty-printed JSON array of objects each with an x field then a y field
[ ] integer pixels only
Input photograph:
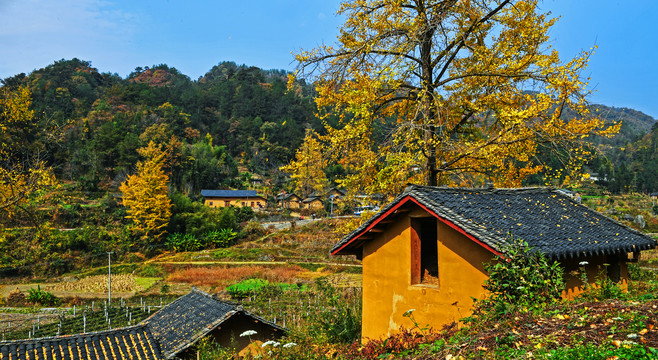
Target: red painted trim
[
  {"x": 403, "y": 201},
  {"x": 374, "y": 223}
]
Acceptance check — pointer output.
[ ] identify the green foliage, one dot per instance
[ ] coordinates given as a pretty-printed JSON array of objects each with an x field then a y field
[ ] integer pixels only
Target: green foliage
[
  {"x": 247, "y": 287},
  {"x": 520, "y": 279},
  {"x": 212, "y": 239},
  {"x": 602, "y": 352},
  {"x": 338, "y": 322},
  {"x": 252, "y": 287},
  {"x": 221, "y": 238},
  {"x": 194, "y": 218},
  {"x": 42, "y": 297},
  {"x": 244, "y": 214}
]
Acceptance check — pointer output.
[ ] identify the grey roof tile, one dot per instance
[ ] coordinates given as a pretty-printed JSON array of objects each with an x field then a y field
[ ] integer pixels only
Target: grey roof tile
[
  {"x": 229, "y": 193},
  {"x": 121, "y": 343},
  {"x": 191, "y": 317}
]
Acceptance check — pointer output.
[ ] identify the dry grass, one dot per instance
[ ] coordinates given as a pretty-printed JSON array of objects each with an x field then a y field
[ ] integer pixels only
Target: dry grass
[
  {"x": 224, "y": 276},
  {"x": 650, "y": 256},
  {"x": 95, "y": 284}
]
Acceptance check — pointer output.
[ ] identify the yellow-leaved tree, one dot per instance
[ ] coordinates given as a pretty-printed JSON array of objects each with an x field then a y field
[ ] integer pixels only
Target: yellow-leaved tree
[
  {"x": 145, "y": 195},
  {"x": 468, "y": 91},
  {"x": 307, "y": 170},
  {"x": 23, "y": 174}
]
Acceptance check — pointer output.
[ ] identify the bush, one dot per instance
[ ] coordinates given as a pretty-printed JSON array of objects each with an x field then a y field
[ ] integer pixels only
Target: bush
[
  {"x": 245, "y": 214},
  {"x": 247, "y": 287},
  {"x": 221, "y": 238},
  {"x": 41, "y": 297},
  {"x": 520, "y": 279},
  {"x": 257, "y": 286}
]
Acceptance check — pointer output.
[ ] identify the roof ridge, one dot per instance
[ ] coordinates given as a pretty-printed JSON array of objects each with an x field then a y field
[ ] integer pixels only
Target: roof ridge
[{"x": 411, "y": 187}]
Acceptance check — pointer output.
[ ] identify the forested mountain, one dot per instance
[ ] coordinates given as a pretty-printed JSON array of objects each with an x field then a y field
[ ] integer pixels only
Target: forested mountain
[
  {"x": 91, "y": 124},
  {"x": 633, "y": 166},
  {"x": 96, "y": 121}
]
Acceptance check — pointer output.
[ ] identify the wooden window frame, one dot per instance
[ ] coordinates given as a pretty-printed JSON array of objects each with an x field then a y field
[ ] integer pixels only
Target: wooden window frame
[{"x": 417, "y": 240}]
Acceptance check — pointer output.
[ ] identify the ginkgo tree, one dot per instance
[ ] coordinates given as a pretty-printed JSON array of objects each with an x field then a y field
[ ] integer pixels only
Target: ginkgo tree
[
  {"x": 468, "y": 90},
  {"x": 145, "y": 195},
  {"x": 307, "y": 170},
  {"x": 23, "y": 174}
]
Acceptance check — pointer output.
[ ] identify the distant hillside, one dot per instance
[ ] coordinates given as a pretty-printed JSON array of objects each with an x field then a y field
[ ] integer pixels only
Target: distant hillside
[
  {"x": 234, "y": 114},
  {"x": 635, "y": 124}
]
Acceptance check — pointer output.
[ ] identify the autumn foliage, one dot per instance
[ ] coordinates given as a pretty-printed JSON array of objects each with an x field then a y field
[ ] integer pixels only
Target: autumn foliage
[
  {"x": 466, "y": 91},
  {"x": 145, "y": 195}
]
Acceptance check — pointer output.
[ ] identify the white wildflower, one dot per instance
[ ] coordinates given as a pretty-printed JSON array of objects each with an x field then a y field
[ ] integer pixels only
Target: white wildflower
[
  {"x": 290, "y": 344},
  {"x": 271, "y": 342},
  {"x": 248, "y": 333},
  {"x": 583, "y": 263},
  {"x": 408, "y": 312}
]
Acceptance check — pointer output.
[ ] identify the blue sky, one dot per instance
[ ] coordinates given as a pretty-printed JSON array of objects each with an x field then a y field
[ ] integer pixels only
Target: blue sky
[{"x": 193, "y": 35}]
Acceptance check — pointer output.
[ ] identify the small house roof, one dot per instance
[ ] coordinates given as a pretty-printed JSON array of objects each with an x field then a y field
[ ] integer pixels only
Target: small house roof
[
  {"x": 285, "y": 197},
  {"x": 311, "y": 199},
  {"x": 550, "y": 222},
  {"x": 229, "y": 193},
  {"x": 134, "y": 342},
  {"x": 189, "y": 318},
  {"x": 336, "y": 190}
]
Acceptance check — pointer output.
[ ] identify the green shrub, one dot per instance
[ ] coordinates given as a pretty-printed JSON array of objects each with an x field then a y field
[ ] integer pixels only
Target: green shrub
[
  {"x": 221, "y": 238},
  {"x": 244, "y": 214},
  {"x": 520, "y": 279},
  {"x": 251, "y": 287},
  {"x": 247, "y": 287},
  {"x": 41, "y": 297}
]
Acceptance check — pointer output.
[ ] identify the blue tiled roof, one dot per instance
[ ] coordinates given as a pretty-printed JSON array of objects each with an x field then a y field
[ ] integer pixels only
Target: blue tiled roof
[
  {"x": 547, "y": 220},
  {"x": 229, "y": 193}
]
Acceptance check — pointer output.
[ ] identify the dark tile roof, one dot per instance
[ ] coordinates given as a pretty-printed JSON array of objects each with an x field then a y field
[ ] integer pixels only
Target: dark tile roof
[
  {"x": 311, "y": 199},
  {"x": 285, "y": 197},
  {"x": 230, "y": 193},
  {"x": 134, "y": 342},
  {"x": 189, "y": 318},
  {"x": 548, "y": 221}
]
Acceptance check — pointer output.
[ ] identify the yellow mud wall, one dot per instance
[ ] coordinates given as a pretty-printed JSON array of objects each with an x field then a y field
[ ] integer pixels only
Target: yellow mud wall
[
  {"x": 237, "y": 202},
  {"x": 387, "y": 289}
]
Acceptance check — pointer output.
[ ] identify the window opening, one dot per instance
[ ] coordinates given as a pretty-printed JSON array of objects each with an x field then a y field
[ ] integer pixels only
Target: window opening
[{"x": 424, "y": 252}]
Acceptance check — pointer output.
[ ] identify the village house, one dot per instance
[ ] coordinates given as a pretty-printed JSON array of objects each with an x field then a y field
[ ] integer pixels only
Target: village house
[
  {"x": 179, "y": 325},
  {"x": 289, "y": 201},
  {"x": 426, "y": 249},
  {"x": 238, "y": 198},
  {"x": 313, "y": 203},
  {"x": 337, "y": 194}
]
